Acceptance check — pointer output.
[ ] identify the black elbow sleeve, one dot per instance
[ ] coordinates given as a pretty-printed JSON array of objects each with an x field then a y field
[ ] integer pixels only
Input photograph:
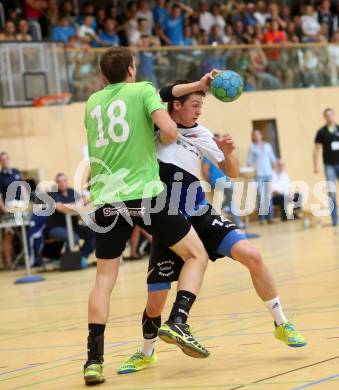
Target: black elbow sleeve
[{"x": 166, "y": 93}]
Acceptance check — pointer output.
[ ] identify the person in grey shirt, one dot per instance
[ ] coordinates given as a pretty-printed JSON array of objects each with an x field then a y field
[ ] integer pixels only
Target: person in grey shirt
[{"x": 262, "y": 158}]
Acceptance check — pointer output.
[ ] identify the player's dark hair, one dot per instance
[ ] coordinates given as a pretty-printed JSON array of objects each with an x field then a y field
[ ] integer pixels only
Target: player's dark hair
[
  {"x": 183, "y": 98},
  {"x": 60, "y": 174},
  {"x": 327, "y": 110},
  {"x": 114, "y": 64}
]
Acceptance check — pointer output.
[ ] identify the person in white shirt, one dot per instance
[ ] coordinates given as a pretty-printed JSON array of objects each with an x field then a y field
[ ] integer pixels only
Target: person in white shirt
[
  {"x": 131, "y": 25},
  {"x": 86, "y": 32},
  {"x": 310, "y": 26},
  {"x": 261, "y": 14},
  {"x": 144, "y": 12},
  {"x": 282, "y": 192},
  {"x": 262, "y": 158},
  {"x": 206, "y": 19},
  {"x": 217, "y": 18}
]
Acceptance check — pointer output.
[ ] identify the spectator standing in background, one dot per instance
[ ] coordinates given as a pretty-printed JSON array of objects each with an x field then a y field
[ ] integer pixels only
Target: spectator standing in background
[
  {"x": 281, "y": 192},
  {"x": 100, "y": 17},
  {"x": 64, "y": 199},
  {"x": 205, "y": 17},
  {"x": 35, "y": 10},
  {"x": 23, "y": 34},
  {"x": 63, "y": 32},
  {"x": 8, "y": 175},
  {"x": 250, "y": 18},
  {"x": 67, "y": 10},
  {"x": 262, "y": 158},
  {"x": 144, "y": 12},
  {"x": 131, "y": 24},
  {"x": 274, "y": 9},
  {"x": 173, "y": 29},
  {"x": 261, "y": 13},
  {"x": 310, "y": 26},
  {"x": 326, "y": 17},
  {"x": 160, "y": 14},
  {"x": 327, "y": 138}
]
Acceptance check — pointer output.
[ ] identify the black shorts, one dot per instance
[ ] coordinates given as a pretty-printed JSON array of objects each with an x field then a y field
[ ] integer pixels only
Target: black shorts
[
  {"x": 165, "y": 265},
  {"x": 122, "y": 218}
]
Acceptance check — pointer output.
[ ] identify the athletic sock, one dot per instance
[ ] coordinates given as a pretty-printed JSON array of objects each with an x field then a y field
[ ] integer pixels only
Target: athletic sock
[
  {"x": 182, "y": 307},
  {"x": 274, "y": 306},
  {"x": 150, "y": 328},
  {"x": 95, "y": 342}
]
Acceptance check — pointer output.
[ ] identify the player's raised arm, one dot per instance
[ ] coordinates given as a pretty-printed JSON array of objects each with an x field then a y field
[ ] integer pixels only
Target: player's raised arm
[
  {"x": 230, "y": 166},
  {"x": 171, "y": 92},
  {"x": 157, "y": 111}
]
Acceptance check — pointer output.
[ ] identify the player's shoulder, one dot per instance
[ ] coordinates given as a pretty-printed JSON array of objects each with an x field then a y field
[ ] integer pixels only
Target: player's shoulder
[
  {"x": 94, "y": 97},
  {"x": 143, "y": 85},
  {"x": 204, "y": 130}
]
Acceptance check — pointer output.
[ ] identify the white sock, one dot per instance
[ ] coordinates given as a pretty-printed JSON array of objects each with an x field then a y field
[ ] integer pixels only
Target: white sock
[
  {"x": 274, "y": 306},
  {"x": 148, "y": 346}
]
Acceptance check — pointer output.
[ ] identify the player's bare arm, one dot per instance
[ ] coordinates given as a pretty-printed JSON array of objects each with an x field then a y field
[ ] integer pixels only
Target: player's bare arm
[
  {"x": 168, "y": 128},
  {"x": 201, "y": 85},
  {"x": 230, "y": 166}
]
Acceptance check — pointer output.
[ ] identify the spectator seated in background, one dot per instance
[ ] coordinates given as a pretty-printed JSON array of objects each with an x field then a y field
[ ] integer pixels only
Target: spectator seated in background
[
  {"x": 108, "y": 37},
  {"x": 23, "y": 29},
  {"x": 87, "y": 10},
  {"x": 86, "y": 31},
  {"x": 8, "y": 175},
  {"x": 56, "y": 223},
  {"x": 281, "y": 192},
  {"x": 63, "y": 32},
  {"x": 9, "y": 33},
  {"x": 259, "y": 67}
]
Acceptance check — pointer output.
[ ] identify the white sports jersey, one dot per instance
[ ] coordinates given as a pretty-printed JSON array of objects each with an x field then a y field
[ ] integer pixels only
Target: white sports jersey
[{"x": 187, "y": 152}]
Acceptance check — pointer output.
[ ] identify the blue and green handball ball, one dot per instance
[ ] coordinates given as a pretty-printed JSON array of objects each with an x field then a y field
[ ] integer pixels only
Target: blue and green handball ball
[{"x": 227, "y": 86}]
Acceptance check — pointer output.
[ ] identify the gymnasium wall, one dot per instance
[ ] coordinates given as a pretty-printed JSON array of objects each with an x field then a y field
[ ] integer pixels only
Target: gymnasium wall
[{"x": 51, "y": 139}]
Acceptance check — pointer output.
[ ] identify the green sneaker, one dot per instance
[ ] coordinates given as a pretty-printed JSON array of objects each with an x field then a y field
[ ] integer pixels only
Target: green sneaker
[
  {"x": 137, "y": 362},
  {"x": 93, "y": 373},
  {"x": 285, "y": 332},
  {"x": 181, "y": 335}
]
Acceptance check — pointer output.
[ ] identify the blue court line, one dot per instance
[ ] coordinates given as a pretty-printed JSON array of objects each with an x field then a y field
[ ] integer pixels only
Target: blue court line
[{"x": 316, "y": 382}]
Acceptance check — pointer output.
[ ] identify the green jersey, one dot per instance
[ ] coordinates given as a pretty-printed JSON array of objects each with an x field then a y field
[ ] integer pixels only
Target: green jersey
[{"x": 120, "y": 134}]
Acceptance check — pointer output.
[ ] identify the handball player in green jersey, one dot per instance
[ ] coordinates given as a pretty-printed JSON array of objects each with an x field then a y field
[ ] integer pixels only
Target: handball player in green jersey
[{"x": 127, "y": 191}]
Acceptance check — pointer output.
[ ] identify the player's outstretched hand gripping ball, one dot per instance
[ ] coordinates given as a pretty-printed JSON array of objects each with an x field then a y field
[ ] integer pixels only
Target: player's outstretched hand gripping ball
[{"x": 227, "y": 86}]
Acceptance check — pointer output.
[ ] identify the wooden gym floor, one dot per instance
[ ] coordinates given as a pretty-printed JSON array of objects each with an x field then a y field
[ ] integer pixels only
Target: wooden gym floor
[{"x": 43, "y": 326}]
